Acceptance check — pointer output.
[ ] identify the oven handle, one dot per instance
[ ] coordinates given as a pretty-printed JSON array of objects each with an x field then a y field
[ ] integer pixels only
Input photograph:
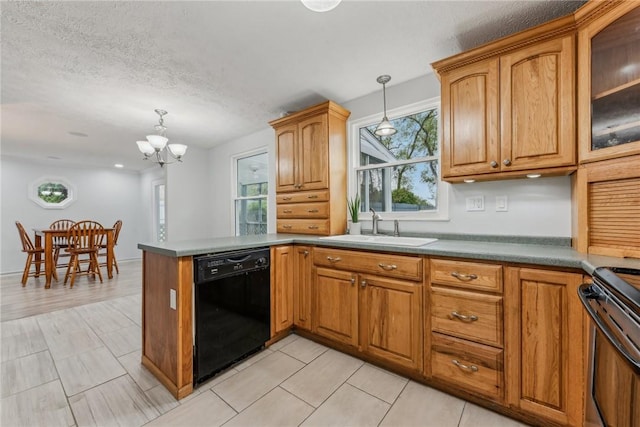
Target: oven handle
[{"x": 588, "y": 291}]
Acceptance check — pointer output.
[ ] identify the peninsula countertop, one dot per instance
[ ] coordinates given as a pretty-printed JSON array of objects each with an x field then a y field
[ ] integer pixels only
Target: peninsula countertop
[{"x": 523, "y": 250}]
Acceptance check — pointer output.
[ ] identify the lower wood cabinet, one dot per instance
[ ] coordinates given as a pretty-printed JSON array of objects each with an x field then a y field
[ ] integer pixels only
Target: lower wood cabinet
[
  {"x": 544, "y": 331},
  {"x": 336, "y": 305},
  {"x": 282, "y": 262},
  {"x": 302, "y": 265}
]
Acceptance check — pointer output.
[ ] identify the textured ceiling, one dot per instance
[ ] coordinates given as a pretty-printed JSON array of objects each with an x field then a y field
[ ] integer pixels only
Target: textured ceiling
[{"x": 80, "y": 80}]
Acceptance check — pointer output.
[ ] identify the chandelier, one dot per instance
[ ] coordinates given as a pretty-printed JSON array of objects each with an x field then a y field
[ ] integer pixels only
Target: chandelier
[
  {"x": 155, "y": 147},
  {"x": 385, "y": 128}
]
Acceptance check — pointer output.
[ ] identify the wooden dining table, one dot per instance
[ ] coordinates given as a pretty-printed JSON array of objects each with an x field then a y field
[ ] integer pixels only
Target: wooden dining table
[{"x": 49, "y": 234}]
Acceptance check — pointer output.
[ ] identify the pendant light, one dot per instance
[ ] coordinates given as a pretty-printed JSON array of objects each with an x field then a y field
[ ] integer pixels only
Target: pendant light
[
  {"x": 155, "y": 148},
  {"x": 385, "y": 128}
]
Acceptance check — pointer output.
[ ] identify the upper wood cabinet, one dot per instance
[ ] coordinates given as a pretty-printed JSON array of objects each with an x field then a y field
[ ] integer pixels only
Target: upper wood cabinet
[
  {"x": 311, "y": 168},
  {"x": 508, "y": 108},
  {"x": 609, "y": 84}
]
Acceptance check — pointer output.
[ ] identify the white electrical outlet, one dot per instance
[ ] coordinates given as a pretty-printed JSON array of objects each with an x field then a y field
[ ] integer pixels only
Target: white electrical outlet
[
  {"x": 475, "y": 203},
  {"x": 501, "y": 204},
  {"x": 172, "y": 298}
]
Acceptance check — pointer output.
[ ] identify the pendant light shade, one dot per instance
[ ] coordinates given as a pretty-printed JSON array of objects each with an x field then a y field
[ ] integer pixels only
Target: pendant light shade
[
  {"x": 385, "y": 128},
  {"x": 321, "y": 5},
  {"x": 154, "y": 147}
]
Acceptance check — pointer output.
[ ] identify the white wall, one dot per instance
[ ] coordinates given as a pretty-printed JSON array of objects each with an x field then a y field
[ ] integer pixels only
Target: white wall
[
  {"x": 103, "y": 195},
  {"x": 189, "y": 197},
  {"x": 539, "y": 207},
  {"x": 221, "y": 160}
]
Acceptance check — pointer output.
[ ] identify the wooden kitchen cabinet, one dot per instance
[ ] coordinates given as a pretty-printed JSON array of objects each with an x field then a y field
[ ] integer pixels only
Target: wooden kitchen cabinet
[
  {"x": 282, "y": 285},
  {"x": 311, "y": 169},
  {"x": 544, "y": 333},
  {"x": 508, "y": 107},
  {"x": 372, "y": 301},
  {"x": 302, "y": 274}
]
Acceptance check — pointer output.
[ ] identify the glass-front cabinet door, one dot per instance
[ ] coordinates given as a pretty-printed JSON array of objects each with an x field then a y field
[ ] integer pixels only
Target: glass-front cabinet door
[{"x": 609, "y": 84}]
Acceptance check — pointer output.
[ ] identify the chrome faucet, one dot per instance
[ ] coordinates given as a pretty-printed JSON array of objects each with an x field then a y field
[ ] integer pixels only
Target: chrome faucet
[
  {"x": 396, "y": 228},
  {"x": 375, "y": 218}
]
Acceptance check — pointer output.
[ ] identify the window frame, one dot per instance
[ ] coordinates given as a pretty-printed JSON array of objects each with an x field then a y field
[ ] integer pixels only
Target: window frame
[
  {"x": 234, "y": 191},
  {"x": 441, "y": 213}
]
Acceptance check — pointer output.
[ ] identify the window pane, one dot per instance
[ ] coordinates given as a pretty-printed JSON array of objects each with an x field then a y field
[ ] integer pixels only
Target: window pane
[
  {"x": 252, "y": 175},
  {"x": 251, "y": 198},
  {"x": 251, "y": 216}
]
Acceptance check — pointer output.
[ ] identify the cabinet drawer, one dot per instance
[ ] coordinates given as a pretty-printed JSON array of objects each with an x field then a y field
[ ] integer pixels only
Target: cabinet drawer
[
  {"x": 468, "y": 365},
  {"x": 303, "y": 226},
  {"x": 469, "y": 315},
  {"x": 469, "y": 275},
  {"x": 405, "y": 267},
  {"x": 303, "y": 196},
  {"x": 303, "y": 210}
]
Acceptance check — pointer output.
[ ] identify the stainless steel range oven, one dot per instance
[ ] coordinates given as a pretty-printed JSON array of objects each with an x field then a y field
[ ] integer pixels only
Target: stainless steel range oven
[{"x": 613, "y": 304}]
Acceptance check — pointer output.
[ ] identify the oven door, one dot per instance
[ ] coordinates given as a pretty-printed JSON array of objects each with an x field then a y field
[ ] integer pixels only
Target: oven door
[{"x": 613, "y": 393}]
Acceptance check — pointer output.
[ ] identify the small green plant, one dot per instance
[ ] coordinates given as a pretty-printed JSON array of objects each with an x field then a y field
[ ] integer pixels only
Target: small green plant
[{"x": 354, "y": 207}]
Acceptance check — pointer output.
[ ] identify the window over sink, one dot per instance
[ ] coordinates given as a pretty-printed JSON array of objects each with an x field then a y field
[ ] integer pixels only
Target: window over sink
[{"x": 399, "y": 175}]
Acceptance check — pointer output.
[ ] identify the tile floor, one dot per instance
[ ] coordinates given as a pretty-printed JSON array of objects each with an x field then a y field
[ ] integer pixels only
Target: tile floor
[{"x": 81, "y": 367}]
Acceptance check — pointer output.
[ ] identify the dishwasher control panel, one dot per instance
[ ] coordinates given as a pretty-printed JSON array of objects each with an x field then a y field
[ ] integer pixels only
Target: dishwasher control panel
[{"x": 212, "y": 267}]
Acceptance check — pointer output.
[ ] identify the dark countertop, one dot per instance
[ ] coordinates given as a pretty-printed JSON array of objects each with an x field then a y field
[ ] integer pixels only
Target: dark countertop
[{"x": 522, "y": 250}]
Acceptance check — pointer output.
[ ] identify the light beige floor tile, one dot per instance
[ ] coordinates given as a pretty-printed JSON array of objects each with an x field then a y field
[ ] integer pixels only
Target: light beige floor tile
[
  {"x": 378, "y": 382},
  {"x": 206, "y": 409},
  {"x": 304, "y": 350},
  {"x": 123, "y": 341},
  {"x": 103, "y": 318},
  {"x": 61, "y": 322},
  {"x": 130, "y": 306},
  {"x": 89, "y": 369},
  {"x": 44, "y": 405},
  {"x": 27, "y": 372},
  {"x": 223, "y": 376},
  {"x": 323, "y": 376},
  {"x": 283, "y": 342},
  {"x": 476, "y": 416},
  {"x": 72, "y": 343},
  {"x": 141, "y": 375},
  {"x": 250, "y": 384},
  {"x": 162, "y": 400},
  {"x": 118, "y": 402},
  {"x": 349, "y": 406},
  {"x": 422, "y": 406},
  {"x": 277, "y": 408},
  {"x": 253, "y": 359},
  {"x": 20, "y": 338}
]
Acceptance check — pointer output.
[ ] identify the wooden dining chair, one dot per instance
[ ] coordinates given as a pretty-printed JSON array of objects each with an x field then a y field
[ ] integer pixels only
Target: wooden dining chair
[
  {"x": 103, "y": 247},
  {"x": 84, "y": 238},
  {"x": 31, "y": 251},
  {"x": 60, "y": 243}
]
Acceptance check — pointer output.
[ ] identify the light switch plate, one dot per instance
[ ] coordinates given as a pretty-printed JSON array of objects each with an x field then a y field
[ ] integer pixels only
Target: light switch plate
[
  {"x": 501, "y": 204},
  {"x": 172, "y": 298},
  {"x": 475, "y": 203}
]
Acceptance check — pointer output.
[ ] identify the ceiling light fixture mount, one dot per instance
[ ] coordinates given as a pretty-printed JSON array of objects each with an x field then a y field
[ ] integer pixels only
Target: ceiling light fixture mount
[
  {"x": 321, "y": 5},
  {"x": 154, "y": 147},
  {"x": 385, "y": 128}
]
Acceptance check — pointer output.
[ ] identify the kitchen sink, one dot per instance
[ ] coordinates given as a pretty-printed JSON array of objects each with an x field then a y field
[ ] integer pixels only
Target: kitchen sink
[{"x": 381, "y": 240}]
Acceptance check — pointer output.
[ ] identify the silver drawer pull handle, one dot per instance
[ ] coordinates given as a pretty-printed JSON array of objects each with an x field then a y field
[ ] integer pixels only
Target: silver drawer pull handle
[
  {"x": 464, "y": 318},
  {"x": 312, "y": 210},
  {"x": 286, "y": 226},
  {"x": 462, "y": 276},
  {"x": 286, "y": 198},
  {"x": 287, "y": 211},
  {"x": 472, "y": 368},
  {"x": 387, "y": 267},
  {"x": 313, "y": 227},
  {"x": 332, "y": 259},
  {"x": 312, "y": 196}
]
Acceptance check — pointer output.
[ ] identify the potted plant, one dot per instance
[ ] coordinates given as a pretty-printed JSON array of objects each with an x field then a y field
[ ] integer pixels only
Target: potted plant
[{"x": 353, "y": 205}]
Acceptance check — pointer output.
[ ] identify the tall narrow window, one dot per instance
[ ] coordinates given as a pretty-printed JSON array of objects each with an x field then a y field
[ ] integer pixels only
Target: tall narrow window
[
  {"x": 160, "y": 227},
  {"x": 251, "y": 194}
]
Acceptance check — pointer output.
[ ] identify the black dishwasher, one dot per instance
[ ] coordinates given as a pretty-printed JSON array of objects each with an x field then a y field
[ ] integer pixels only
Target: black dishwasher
[{"x": 232, "y": 309}]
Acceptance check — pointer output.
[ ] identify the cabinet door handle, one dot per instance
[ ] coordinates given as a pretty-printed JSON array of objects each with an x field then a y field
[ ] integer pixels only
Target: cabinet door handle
[
  {"x": 312, "y": 210},
  {"x": 286, "y": 226},
  {"x": 287, "y": 211},
  {"x": 305, "y": 252},
  {"x": 472, "y": 368},
  {"x": 312, "y": 196},
  {"x": 464, "y": 277},
  {"x": 387, "y": 267},
  {"x": 464, "y": 318},
  {"x": 332, "y": 259},
  {"x": 494, "y": 164},
  {"x": 313, "y": 227},
  {"x": 506, "y": 162},
  {"x": 363, "y": 284},
  {"x": 286, "y": 198},
  {"x": 353, "y": 280}
]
